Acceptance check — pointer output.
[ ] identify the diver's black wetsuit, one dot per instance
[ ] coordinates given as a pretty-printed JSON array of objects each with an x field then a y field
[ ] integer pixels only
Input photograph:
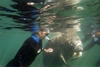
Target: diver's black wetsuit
[{"x": 26, "y": 54}]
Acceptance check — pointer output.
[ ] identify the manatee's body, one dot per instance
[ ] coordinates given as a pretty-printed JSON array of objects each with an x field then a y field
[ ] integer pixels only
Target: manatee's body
[{"x": 63, "y": 45}]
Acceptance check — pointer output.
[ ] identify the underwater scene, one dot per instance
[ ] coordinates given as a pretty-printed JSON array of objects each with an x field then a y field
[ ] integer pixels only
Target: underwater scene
[{"x": 49, "y": 33}]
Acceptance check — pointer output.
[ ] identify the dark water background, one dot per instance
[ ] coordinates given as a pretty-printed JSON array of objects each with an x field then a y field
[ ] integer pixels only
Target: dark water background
[{"x": 14, "y": 32}]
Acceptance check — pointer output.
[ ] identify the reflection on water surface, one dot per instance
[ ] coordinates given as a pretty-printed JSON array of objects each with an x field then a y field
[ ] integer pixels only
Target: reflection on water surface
[{"x": 17, "y": 19}]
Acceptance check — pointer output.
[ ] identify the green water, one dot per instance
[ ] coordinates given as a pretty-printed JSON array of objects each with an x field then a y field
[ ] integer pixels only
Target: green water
[{"x": 11, "y": 40}]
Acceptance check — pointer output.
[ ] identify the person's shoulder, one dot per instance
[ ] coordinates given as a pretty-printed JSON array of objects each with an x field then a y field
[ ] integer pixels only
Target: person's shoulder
[{"x": 29, "y": 38}]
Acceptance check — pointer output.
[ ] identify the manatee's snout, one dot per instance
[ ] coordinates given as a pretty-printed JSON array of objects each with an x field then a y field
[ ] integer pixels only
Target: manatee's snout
[{"x": 78, "y": 47}]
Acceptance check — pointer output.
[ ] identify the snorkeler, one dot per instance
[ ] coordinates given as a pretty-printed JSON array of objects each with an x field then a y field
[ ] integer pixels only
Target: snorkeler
[{"x": 30, "y": 49}]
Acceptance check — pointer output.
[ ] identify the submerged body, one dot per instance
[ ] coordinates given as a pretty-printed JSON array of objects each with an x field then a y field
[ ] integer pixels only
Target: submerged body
[
  {"x": 64, "y": 47},
  {"x": 26, "y": 54},
  {"x": 30, "y": 48}
]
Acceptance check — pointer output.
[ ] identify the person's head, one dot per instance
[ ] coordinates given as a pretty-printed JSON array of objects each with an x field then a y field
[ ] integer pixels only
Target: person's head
[{"x": 41, "y": 32}]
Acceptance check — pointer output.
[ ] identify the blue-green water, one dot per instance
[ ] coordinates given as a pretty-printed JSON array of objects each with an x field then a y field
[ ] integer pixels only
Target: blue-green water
[{"x": 13, "y": 34}]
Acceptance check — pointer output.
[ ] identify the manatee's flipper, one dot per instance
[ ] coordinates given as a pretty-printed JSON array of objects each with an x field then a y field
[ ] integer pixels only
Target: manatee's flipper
[{"x": 62, "y": 57}]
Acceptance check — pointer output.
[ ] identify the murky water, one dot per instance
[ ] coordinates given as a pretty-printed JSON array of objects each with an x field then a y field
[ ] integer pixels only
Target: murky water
[{"x": 78, "y": 16}]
